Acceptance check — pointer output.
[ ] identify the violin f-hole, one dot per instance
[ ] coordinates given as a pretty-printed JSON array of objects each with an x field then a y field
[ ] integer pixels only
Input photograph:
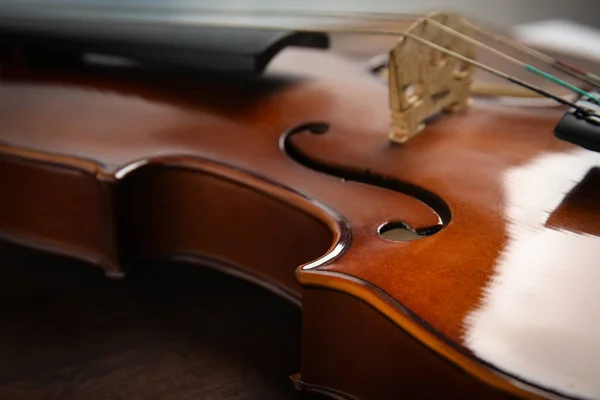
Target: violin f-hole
[{"x": 365, "y": 176}]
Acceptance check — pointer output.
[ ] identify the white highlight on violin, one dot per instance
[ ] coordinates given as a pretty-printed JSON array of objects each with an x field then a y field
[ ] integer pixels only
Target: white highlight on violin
[{"x": 540, "y": 314}]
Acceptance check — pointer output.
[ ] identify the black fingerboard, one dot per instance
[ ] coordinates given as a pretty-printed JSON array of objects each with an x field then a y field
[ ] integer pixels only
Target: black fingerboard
[{"x": 216, "y": 49}]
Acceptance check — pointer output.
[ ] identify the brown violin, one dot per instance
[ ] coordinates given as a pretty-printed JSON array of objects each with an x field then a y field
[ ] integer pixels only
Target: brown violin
[{"x": 441, "y": 241}]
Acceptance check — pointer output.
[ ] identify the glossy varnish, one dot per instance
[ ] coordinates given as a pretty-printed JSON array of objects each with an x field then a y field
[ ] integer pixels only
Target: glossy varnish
[{"x": 137, "y": 165}]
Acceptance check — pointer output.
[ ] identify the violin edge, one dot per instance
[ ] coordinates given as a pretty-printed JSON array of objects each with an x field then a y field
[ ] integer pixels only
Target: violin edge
[{"x": 406, "y": 336}]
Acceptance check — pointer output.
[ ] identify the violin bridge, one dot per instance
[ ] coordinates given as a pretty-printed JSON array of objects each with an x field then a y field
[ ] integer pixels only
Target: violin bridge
[{"x": 423, "y": 81}]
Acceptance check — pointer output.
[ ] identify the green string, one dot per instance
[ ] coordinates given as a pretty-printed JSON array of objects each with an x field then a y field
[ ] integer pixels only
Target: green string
[{"x": 562, "y": 83}]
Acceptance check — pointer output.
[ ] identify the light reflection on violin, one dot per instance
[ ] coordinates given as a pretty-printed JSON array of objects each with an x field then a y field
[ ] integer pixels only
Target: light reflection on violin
[{"x": 537, "y": 316}]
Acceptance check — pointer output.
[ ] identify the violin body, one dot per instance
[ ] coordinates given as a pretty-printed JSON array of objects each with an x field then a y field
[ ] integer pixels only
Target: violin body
[{"x": 288, "y": 180}]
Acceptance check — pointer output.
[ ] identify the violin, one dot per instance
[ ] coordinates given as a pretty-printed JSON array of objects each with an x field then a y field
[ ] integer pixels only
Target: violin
[{"x": 439, "y": 241}]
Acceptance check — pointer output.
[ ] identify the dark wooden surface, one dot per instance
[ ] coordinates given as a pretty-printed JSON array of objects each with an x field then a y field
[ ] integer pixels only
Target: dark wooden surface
[{"x": 167, "y": 332}]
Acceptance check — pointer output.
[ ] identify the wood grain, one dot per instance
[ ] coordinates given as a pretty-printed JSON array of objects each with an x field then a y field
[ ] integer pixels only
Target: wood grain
[{"x": 169, "y": 149}]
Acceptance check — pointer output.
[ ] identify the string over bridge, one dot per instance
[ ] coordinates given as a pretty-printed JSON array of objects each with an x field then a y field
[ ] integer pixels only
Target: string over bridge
[
  {"x": 431, "y": 71},
  {"x": 424, "y": 81}
]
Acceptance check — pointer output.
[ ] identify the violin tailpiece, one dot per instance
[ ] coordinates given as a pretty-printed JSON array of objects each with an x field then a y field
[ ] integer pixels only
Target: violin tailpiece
[
  {"x": 581, "y": 130},
  {"x": 423, "y": 81}
]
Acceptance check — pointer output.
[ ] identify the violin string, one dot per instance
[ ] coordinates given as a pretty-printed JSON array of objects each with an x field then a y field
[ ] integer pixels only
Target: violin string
[
  {"x": 289, "y": 13},
  {"x": 553, "y": 62},
  {"x": 346, "y": 30},
  {"x": 474, "y": 42},
  {"x": 501, "y": 74},
  {"x": 199, "y": 16},
  {"x": 400, "y": 33},
  {"x": 571, "y": 70},
  {"x": 527, "y": 67},
  {"x": 247, "y": 11},
  {"x": 389, "y": 32}
]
